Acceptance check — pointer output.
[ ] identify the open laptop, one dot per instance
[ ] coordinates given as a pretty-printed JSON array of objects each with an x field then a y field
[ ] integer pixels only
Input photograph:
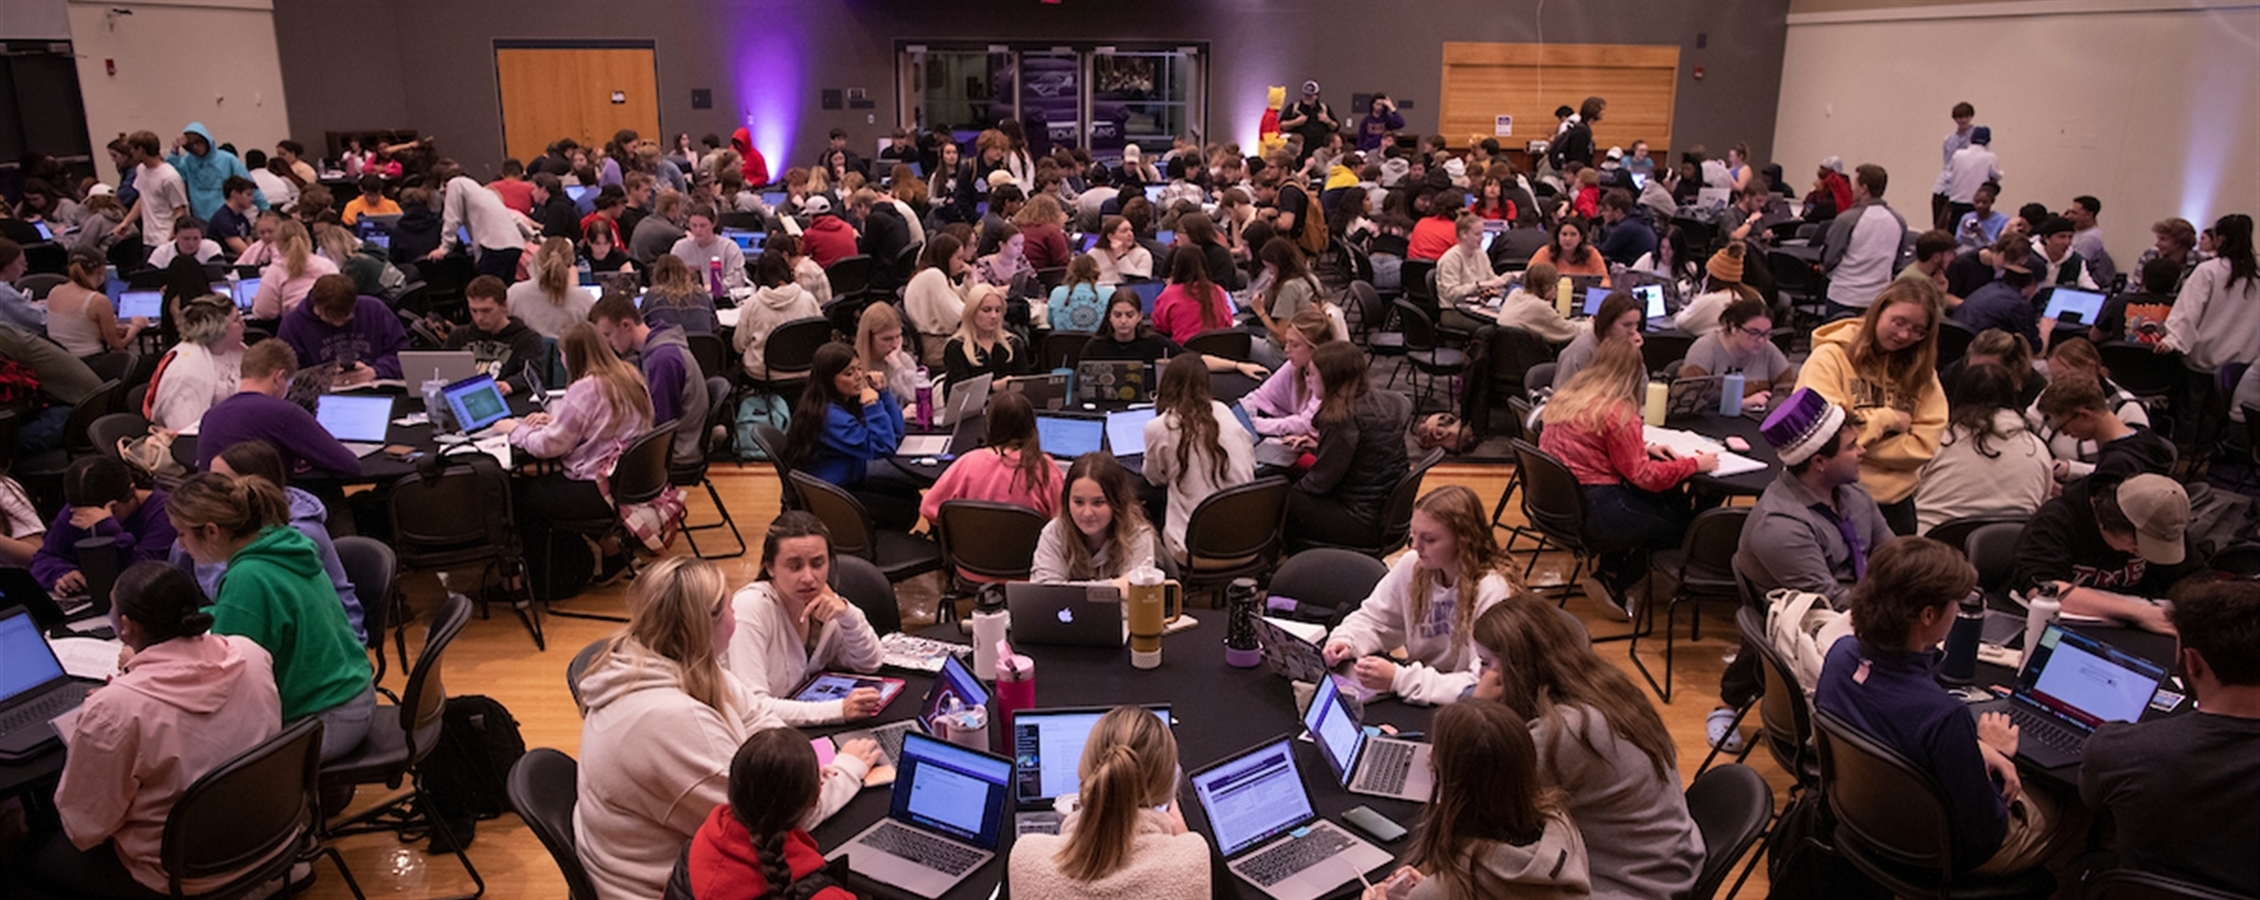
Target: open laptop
[
  {"x": 1047, "y": 755},
  {"x": 1364, "y": 760},
  {"x": 2073, "y": 307},
  {"x": 449, "y": 366},
  {"x": 954, "y": 687},
  {"x": 1113, "y": 381},
  {"x": 944, "y": 820},
  {"x": 1651, "y": 297},
  {"x": 749, "y": 242},
  {"x": 1068, "y": 438},
  {"x": 1066, "y": 615},
  {"x": 369, "y": 225},
  {"x": 245, "y": 290},
  {"x": 1269, "y": 452},
  {"x": 964, "y": 400},
  {"x": 1126, "y": 431},
  {"x": 141, "y": 305},
  {"x": 33, "y": 688},
  {"x": 2071, "y": 684},
  {"x": 359, "y": 421},
  {"x": 1268, "y": 832},
  {"x": 1289, "y": 656},
  {"x": 774, "y": 199},
  {"x": 1046, "y": 391},
  {"x": 476, "y": 403},
  {"x": 1694, "y": 396},
  {"x": 1148, "y": 292},
  {"x": 53, "y": 615}
]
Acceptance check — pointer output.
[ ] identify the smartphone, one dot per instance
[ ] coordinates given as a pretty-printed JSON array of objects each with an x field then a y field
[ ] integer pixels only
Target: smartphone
[{"x": 1375, "y": 825}]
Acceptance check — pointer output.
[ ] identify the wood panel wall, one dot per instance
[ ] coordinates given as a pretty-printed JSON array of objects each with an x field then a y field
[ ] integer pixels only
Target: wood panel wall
[
  {"x": 549, "y": 93},
  {"x": 1527, "y": 81}
]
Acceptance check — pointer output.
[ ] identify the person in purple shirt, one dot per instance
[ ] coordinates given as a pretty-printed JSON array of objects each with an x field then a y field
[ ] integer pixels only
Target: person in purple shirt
[
  {"x": 336, "y": 324},
  {"x": 101, "y": 500},
  {"x": 258, "y": 412},
  {"x": 1378, "y": 122},
  {"x": 678, "y": 387}
]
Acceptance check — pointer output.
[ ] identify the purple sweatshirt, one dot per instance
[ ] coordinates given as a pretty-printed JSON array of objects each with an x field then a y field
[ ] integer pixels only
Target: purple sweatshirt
[
  {"x": 147, "y": 534},
  {"x": 251, "y": 416},
  {"x": 372, "y": 337}
]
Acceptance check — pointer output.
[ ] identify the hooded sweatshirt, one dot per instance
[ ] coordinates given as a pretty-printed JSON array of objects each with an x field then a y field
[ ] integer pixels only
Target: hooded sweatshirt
[
  {"x": 753, "y": 166},
  {"x": 178, "y": 710},
  {"x": 655, "y": 763},
  {"x": 678, "y": 391},
  {"x": 829, "y": 239},
  {"x": 502, "y": 354},
  {"x": 1441, "y": 664},
  {"x": 311, "y": 518},
  {"x": 143, "y": 535},
  {"x": 373, "y": 337},
  {"x": 1160, "y": 865},
  {"x": 276, "y": 593},
  {"x": 757, "y": 317},
  {"x": 203, "y": 175},
  {"x": 1894, "y": 460},
  {"x": 1641, "y": 840},
  {"x": 720, "y": 863},
  {"x": 1554, "y": 866}
]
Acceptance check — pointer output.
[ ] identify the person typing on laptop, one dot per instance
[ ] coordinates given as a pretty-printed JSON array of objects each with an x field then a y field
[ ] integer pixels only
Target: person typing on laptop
[
  {"x": 101, "y": 500},
  {"x": 1100, "y": 533},
  {"x": 747, "y": 846},
  {"x": 1881, "y": 683},
  {"x": 258, "y": 412},
  {"x": 1428, "y": 604},
  {"x": 791, "y": 626},
  {"x": 606, "y": 406},
  {"x": 1495, "y": 827},
  {"x": 1126, "y": 837},
  {"x": 337, "y": 324},
  {"x": 500, "y": 343}
]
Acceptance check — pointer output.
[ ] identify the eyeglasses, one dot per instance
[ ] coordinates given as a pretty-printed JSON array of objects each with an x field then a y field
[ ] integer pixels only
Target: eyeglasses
[{"x": 1758, "y": 333}]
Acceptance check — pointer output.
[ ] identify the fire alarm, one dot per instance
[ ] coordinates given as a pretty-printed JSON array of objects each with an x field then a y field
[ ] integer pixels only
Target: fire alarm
[
  {"x": 110, "y": 67},
  {"x": 1698, "y": 73}
]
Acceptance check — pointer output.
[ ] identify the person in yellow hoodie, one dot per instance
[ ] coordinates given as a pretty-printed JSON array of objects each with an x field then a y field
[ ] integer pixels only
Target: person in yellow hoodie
[{"x": 1882, "y": 368}]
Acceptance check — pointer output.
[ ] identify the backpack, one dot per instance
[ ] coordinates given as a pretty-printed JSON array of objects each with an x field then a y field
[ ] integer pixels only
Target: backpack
[
  {"x": 18, "y": 382},
  {"x": 466, "y": 777},
  {"x": 760, "y": 408},
  {"x": 1801, "y": 627}
]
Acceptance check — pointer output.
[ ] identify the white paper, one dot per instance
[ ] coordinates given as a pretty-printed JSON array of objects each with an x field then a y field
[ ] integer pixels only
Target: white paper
[
  {"x": 728, "y": 317},
  {"x": 86, "y": 657},
  {"x": 1309, "y": 631},
  {"x": 1688, "y": 443},
  {"x": 497, "y": 446}
]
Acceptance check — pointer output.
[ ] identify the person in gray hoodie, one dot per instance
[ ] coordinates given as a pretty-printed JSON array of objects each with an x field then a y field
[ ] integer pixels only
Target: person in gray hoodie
[
  {"x": 1493, "y": 827},
  {"x": 307, "y": 514},
  {"x": 678, "y": 389},
  {"x": 205, "y": 169}
]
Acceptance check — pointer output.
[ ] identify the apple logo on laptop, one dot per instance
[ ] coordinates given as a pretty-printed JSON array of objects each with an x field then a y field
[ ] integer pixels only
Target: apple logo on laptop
[{"x": 1066, "y": 616}]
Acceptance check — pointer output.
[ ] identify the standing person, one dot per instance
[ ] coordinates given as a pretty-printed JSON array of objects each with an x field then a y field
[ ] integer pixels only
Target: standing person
[
  {"x": 1100, "y": 532},
  {"x": 204, "y": 168},
  {"x": 1600, "y": 742},
  {"x": 500, "y": 343},
  {"x": 1957, "y": 139},
  {"x": 1743, "y": 344},
  {"x": 677, "y": 388},
  {"x": 1970, "y": 168},
  {"x": 605, "y": 406},
  {"x": 1126, "y": 837},
  {"x": 1428, "y": 604},
  {"x": 791, "y": 626},
  {"x": 467, "y": 207},
  {"x": 663, "y": 727},
  {"x": 1192, "y": 446},
  {"x": 101, "y": 500},
  {"x": 844, "y": 429},
  {"x": 1882, "y": 370},
  {"x": 2213, "y": 325},
  {"x": 759, "y": 840},
  {"x": 1989, "y": 463},
  {"x": 552, "y": 301},
  {"x": 1493, "y": 826},
  {"x": 1359, "y": 452},
  {"x": 1380, "y": 120},
  {"x": 1009, "y": 467},
  {"x": 258, "y": 412},
  {"x": 1862, "y": 245}
]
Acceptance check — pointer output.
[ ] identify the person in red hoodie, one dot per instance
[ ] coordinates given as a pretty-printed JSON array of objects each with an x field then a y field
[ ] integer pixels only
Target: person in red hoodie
[
  {"x": 754, "y": 846},
  {"x": 828, "y": 238},
  {"x": 753, "y": 165}
]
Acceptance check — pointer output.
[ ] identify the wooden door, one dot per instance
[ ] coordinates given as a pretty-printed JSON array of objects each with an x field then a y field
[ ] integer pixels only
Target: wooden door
[
  {"x": 1527, "y": 81},
  {"x": 558, "y": 92}
]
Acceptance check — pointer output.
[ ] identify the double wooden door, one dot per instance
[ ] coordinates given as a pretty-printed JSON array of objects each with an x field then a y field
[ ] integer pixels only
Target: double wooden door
[{"x": 584, "y": 93}]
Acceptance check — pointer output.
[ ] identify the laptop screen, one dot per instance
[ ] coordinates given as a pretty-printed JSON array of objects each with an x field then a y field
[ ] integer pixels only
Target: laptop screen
[
  {"x": 355, "y": 418},
  {"x": 749, "y": 242},
  {"x": 1247, "y": 422},
  {"x": 1253, "y": 796},
  {"x": 1332, "y": 728},
  {"x": 26, "y": 661},
  {"x": 2074, "y": 307},
  {"x": 245, "y": 290},
  {"x": 1488, "y": 237},
  {"x": 1639, "y": 181},
  {"x": 1153, "y": 192},
  {"x": 1085, "y": 242},
  {"x": 955, "y": 682},
  {"x": 45, "y": 233},
  {"x": 141, "y": 305},
  {"x": 950, "y": 789},
  {"x": 1048, "y": 746},
  {"x": 475, "y": 402},
  {"x": 1126, "y": 431},
  {"x": 1594, "y": 297},
  {"x": 1651, "y": 295},
  {"x": 2087, "y": 681},
  {"x": 773, "y": 199},
  {"x": 1165, "y": 238},
  {"x": 1069, "y": 438},
  {"x": 576, "y": 192},
  {"x": 1148, "y": 292}
]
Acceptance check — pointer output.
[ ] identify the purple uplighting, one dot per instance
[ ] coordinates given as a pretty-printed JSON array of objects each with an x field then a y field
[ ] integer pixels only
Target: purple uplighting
[{"x": 770, "y": 69}]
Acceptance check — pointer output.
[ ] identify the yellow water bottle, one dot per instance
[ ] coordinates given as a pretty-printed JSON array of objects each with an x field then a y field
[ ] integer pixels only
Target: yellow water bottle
[
  {"x": 1652, "y": 411},
  {"x": 1563, "y": 298}
]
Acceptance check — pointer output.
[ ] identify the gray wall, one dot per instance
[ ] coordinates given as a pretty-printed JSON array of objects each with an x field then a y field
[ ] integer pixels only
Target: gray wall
[{"x": 429, "y": 64}]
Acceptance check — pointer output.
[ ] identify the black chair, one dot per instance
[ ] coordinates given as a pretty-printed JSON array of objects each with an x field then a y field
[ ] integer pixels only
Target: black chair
[
  {"x": 850, "y": 276},
  {"x": 1956, "y": 532},
  {"x": 1230, "y": 343},
  {"x": 1374, "y": 315},
  {"x": 639, "y": 476},
  {"x": 2144, "y": 372},
  {"x": 457, "y": 515},
  {"x": 1701, "y": 568},
  {"x": 371, "y": 567},
  {"x": 251, "y": 817},
  {"x": 544, "y": 787},
  {"x": 1953, "y": 341},
  {"x": 904, "y": 265},
  {"x": 1992, "y": 549},
  {"x": 1513, "y": 353},
  {"x": 2128, "y": 884},
  {"x": 1235, "y": 533},
  {"x": 1702, "y": 235},
  {"x": 2241, "y": 560},
  {"x": 898, "y": 554},
  {"x": 1419, "y": 283},
  {"x": 713, "y": 357},
  {"x": 1554, "y": 504},
  {"x": 861, "y": 583},
  {"x": 1518, "y": 415},
  {"x": 47, "y": 468},
  {"x": 1363, "y": 308},
  {"x": 1325, "y": 583},
  {"x": 1800, "y": 282},
  {"x": 1539, "y": 378},
  {"x": 1051, "y": 278},
  {"x": 1396, "y": 514},
  {"x": 789, "y": 354},
  {"x": 399, "y": 742},
  {"x": 985, "y": 541},
  {"x": 578, "y": 665},
  {"x": 1063, "y": 349},
  {"x": 1424, "y": 349},
  {"x": 1785, "y": 710},
  {"x": 719, "y": 415},
  {"x": 1662, "y": 351},
  {"x": 1731, "y": 805},
  {"x": 1892, "y": 821},
  {"x": 37, "y": 286},
  {"x": 105, "y": 433}
]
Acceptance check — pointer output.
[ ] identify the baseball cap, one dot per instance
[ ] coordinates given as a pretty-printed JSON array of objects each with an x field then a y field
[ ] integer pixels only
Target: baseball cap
[
  {"x": 2159, "y": 509},
  {"x": 816, "y": 206},
  {"x": 1310, "y": 88}
]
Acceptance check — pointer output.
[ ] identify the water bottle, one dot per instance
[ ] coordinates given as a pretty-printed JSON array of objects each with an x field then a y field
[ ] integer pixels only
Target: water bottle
[
  {"x": 714, "y": 277},
  {"x": 966, "y": 726},
  {"x": 435, "y": 406},
  {"x": 587, "y": 275},
  {"x": 923, "y": 403},
  {"x": 1145, "y": 617},
  {"x": 1960, "y": 665},
  {"x": 1240, "y": 646},
  {"x": 990, "y": 621},
  {"x": 1652, "y": 409},
  {"x": 1563, "y": 296},
  {"x": 2039, "y": 611},
  {"x": 1016, "y": 685},
  {"x": 1730, "y": 394}
]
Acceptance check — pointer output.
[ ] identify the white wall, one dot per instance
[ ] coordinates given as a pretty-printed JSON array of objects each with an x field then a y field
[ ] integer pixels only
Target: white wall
[
  {"x": 180, "y": 61},
  {"x": 2149, "y": 105}
]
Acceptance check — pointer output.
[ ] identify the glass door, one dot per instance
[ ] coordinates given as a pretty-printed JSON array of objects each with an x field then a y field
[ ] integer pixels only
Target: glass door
[
  {"x": 1051, "y": 99},
  {"x": 1094, "y": 98},
  {"x": 1140, "y": 97},
  {"x": 959, "y": 92}
]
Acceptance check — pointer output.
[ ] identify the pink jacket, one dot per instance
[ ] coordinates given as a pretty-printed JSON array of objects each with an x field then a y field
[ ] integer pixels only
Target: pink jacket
[
  {"x": 987, "y": 474},
  {"x": 179, "y": 710},
  {"x": 1272, "y": 407},
  {"x": 1178, "y": 315}
]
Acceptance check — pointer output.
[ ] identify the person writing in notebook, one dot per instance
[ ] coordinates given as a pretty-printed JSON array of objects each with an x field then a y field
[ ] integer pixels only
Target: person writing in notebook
[
  {"x": 791, "y": 625},
  {"x": 1427, "y": 604}
]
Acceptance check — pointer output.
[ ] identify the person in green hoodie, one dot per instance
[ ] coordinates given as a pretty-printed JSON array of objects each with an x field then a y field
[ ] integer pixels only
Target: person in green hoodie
[{"x": 276, "y": 593}]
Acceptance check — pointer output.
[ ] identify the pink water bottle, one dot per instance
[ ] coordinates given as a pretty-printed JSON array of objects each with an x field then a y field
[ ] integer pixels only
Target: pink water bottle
[
  {"x": 923, "y": 401},
  {"x": 714, "y": 276},
  {"x": 1016, "y": 687}
]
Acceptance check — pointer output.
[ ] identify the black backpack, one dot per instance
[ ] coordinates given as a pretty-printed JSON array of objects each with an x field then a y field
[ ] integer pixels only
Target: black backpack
[{"x": 466, "y": 777}]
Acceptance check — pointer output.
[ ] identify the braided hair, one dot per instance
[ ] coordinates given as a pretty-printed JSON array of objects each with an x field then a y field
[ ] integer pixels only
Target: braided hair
[{"x": 773, "y": 785}]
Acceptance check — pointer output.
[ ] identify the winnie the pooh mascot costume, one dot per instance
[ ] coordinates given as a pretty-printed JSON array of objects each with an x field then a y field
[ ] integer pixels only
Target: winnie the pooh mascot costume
[{"x": 1267, "y": 133}]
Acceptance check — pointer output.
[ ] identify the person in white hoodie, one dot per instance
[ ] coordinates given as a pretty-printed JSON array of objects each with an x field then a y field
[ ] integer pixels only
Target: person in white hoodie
[
  {"x": 201, "y": 370},
  {"x": 1194, "y": 447},
  {"x": 1492, "y": 827},
  {"x": 1428, "y": 604},
  {"x": 663, "y": 722},
  {"x": 935, "y": 297},
  {"x": 778, "y": 300},
  {"x": 791, "y": 625}
]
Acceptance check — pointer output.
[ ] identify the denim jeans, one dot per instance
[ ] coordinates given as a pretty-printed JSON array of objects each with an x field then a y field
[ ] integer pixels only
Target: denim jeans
[
  {"x": 344, "y": 725},
  {"x": 1624, "y": 523}
]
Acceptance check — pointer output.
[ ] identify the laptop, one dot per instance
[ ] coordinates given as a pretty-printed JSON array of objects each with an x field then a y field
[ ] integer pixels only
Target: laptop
[
  {"x": 141, "y": 305},
  {"x": 1148, "y": 292},
  {"x": 33, "y": 688},
  {"x": 1364, "y": 760},
  {"x": 945, "y": 818},
  {"x": 45, "y": 233},
  {"x": 1269, "y": 452},
  {"x": 1068, "y": 438},
  {"x": 575, "y": 192},
  {"x": 1488, "y": 237},
  {"x": 749, "y": 242},
  {"x": 1046, "y": 392},
  {"x": 370, "y": 225},
  {"x": 954, "y": 687},
  {"x": 359, "y": 421},
  {"x": 773, "y": 199},
  {"x": 1126, "y": 431},
  {"x": 449, "y": 366},
  {"x": 1066, "y": 615},
  {"x": 1269, "y": 834},
  {"x": 2071, "y": 684},
  {"x": 245, "y": 290},
  {"x": 2073, "y": 307},
  {"x": 1694, "y": 396},
  {"x": 1113, "y": 381},
  {"x": 1165, "y": 238},
  {"x": 1639, "y": 182},
  {"x": 381, "y": 240},
  {"x": 476, "y": 403},
  {"x": 1047, "y": 756},
  {"x": 1295, "y": 659},
  {"x": 964, "y": 401},
  {"x": 1085, "y": 242}
]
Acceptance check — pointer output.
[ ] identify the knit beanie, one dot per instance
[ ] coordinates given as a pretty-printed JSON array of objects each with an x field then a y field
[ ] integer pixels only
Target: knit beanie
[{"x": 1726, "y": 265}]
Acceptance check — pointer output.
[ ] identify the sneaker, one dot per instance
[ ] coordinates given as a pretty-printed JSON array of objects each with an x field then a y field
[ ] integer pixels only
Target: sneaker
[
  {"x": 611, "y": 569},
  {"x": 1719, "y": 725}
]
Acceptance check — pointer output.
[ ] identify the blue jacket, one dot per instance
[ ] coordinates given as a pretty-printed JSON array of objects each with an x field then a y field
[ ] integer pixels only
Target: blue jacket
[
  {"x": 205, "y": 174},
  {"x": 851, "y": 440},
  {"x": 1998, "y": 305}
]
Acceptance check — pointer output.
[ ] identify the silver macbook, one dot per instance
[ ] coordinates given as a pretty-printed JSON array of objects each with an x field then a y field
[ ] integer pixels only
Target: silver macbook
[
  {"x": 1268, "y": 832},
  {"x": 359, "y": 421},
  {"x": 450, "y": 366},
  {"x": 944, "y": 820},
  {"x": 1066, "y": 615},
  {"x": 965, "y": 401},
  {"x": 1364, "y": 760},
  {"x": 33, "y": 688}
]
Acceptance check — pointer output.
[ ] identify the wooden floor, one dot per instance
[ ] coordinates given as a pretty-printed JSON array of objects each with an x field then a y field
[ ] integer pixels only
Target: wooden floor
[{"x": 495, "y": 657}]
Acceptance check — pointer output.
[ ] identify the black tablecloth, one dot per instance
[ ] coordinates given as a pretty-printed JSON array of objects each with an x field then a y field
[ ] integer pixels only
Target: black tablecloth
[
  {"x": 1719, "y": 428},
  {"x": 2158, "y": 648},
  {"x": 1219, "y": 710}
]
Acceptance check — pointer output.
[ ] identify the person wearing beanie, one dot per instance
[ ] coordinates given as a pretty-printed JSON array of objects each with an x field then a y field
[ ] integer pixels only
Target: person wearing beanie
[
  {"x": 1701, "y": 315},
  {"x": 1970, "y": 167},
  {"x": 2105, "y": 547},
  {"x": 2060, "y": 265}
]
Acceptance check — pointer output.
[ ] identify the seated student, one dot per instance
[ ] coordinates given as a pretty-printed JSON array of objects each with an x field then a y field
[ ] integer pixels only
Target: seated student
[
  {"x": 1600, "y": 742},
  {"x": 1743, "y": 344},
  {"x": 231, "y": 223},
  {"x": 935, "y": 297},
  {"x": 2107, "y": 546},
  {"x": 286, "y": 280},
  {"x": 1006, "y": 265},
  {"x": 500, "y": 344},
  {"x": 1999, "y": 348},
  {"x": 184, "y": 702},
  {"x": 601, "y": 247},
  {"x": 1983, "y": 224},
  {"x": 1125, "y": 336},
  {"x": 1464, "y": 273},
  {"x": 1701, "y": 315},
  {"x": 2075, "y": 408},
  {"x": 663, "y": 726},
  {"x": 2184, "y": 798},
  {"x": 1126, "y": 837},
  {"x": 606, "y": 405},
  {"x": 2077, "y": 359},
  {"x": 1359, "y": 452},
  {"x": 1881, "y": 370},
  {"x": 1010, "y": 467},
  {"x": 811, "y": 276},
  {"x": 1100, "y": 533},
  {"x": 22, "y": 532},
  {"x": 1428, "y": 604},
  {"x": 2006, "y": 304},
  {"x": 1569, "y": 253},
  {"x": 81, "y": 317},
  {"x": 1493, "y": 827},
  {"x": 670, "y": 373},
  {"x": 981, "y": 344},
  {"x": 100, "y": 499},
  {"x": 2155, "y": 284},
  {"x": 1633, "y": 502},
  {"x": 1619, "y": 318},
  {"x": 759, "y": 834},
  {"x": 791, "y": 625},
  {"x": 1288, "y": 288},
  {"x": 551, "y": 300},
  {"x": 1530, "y": 306},
  {"x": 1076, "y": 306},
  {"x": 1989, "y": 463},
  {"x": 258, "y": 412},
  {"x": 258, "y": 459},
  {"x": 678, "y": 296},
  {"x": 1120, "y": 257},
  {"x": 844, "y": 428},
  {"x": 357, "y": 332},
  {"x": 370, "y": 202},
  {"x": 200, "y": 371},
  {"x": 1191, "y": 304},
  {"x": 879, "y": 343},
  {"x": 276, "y": 593},
  {"x": 1193, "y": 446},
  {"x": 1881, "y": 683},
  {"x": 188, "y": 241},
  {"x": 1934, "y": 251}
]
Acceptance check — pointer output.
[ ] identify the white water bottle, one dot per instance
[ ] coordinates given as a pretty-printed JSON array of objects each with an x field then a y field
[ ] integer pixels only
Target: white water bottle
[
  {"x": 2039, "y": 611},
  {"x": 990, "y": 622}
]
